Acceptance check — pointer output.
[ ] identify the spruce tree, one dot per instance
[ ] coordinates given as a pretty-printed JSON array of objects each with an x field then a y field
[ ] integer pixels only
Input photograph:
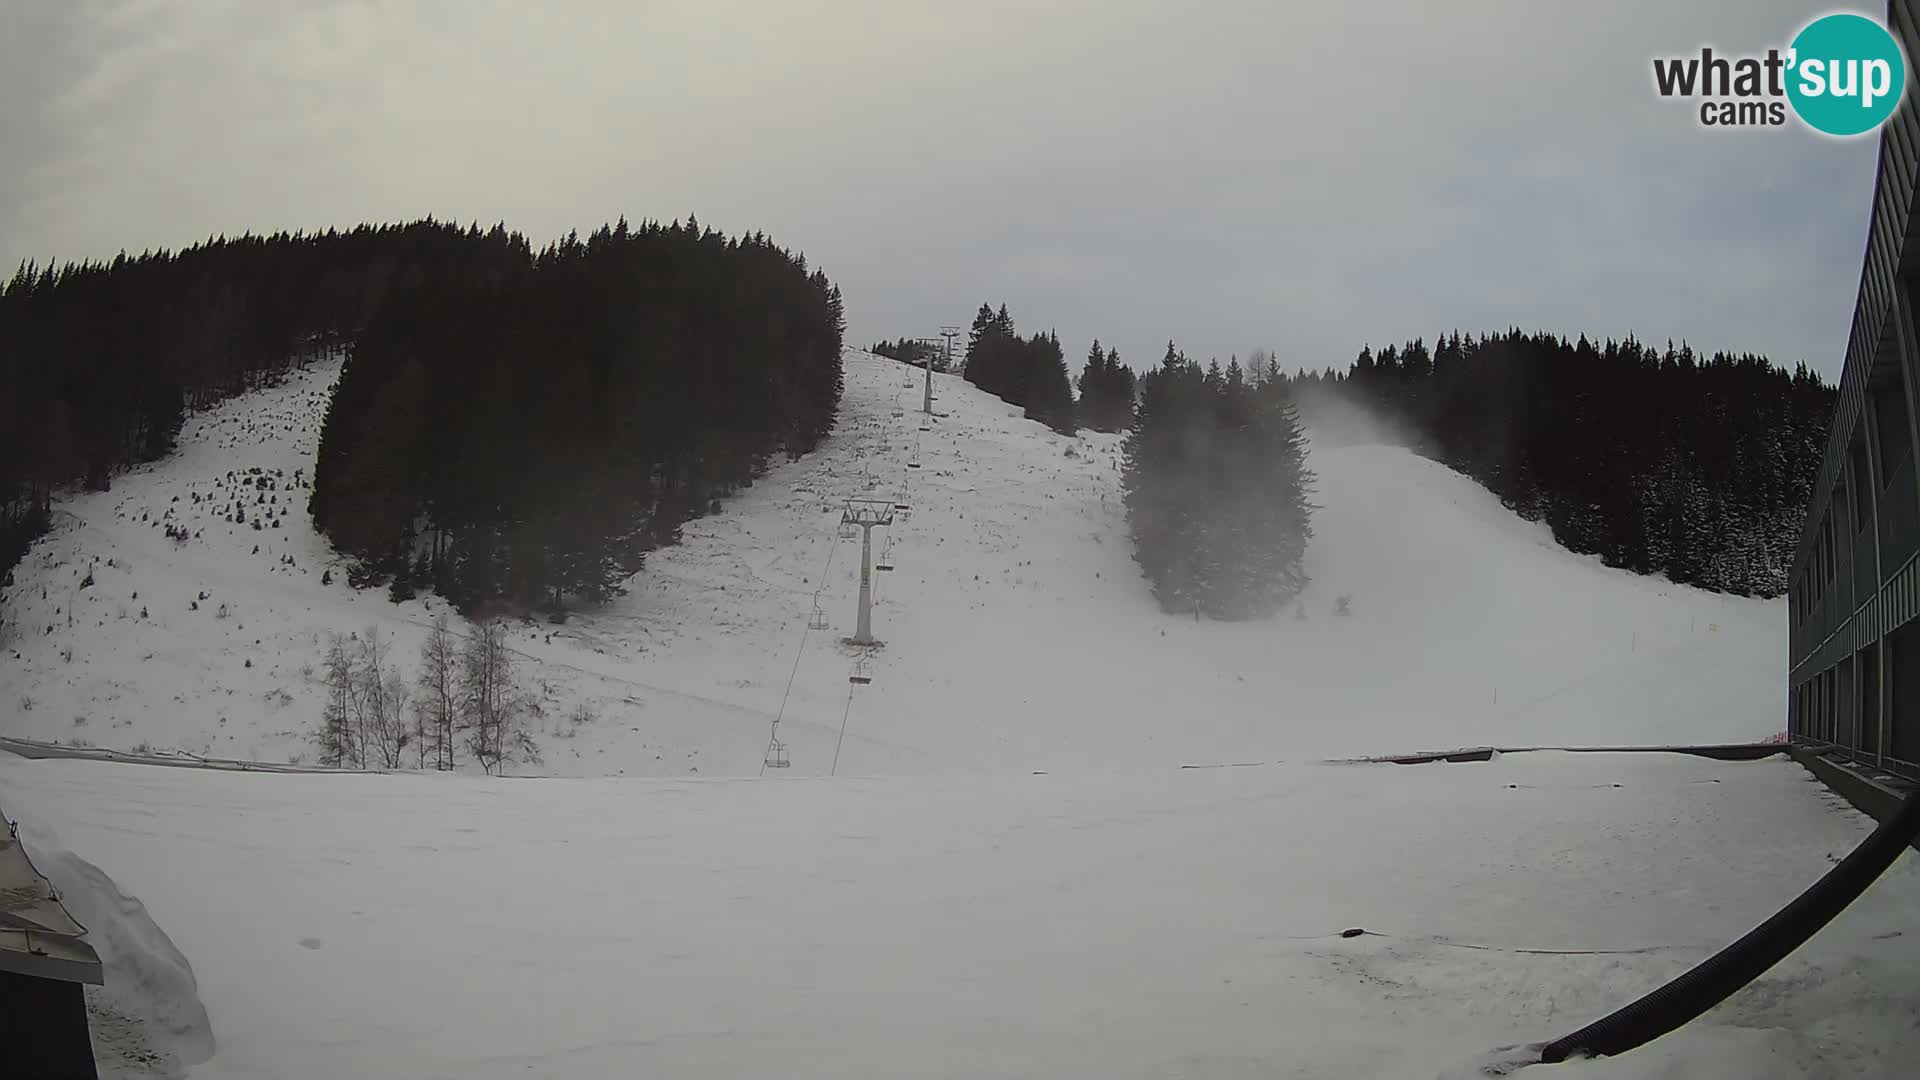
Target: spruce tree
[
  {"x": 1094, "y": 386},
  {"x": 1048, "y": 390}
]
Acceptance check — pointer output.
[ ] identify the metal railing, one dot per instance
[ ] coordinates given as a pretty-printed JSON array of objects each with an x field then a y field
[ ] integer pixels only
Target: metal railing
[{"x": 1892, "y": 767}]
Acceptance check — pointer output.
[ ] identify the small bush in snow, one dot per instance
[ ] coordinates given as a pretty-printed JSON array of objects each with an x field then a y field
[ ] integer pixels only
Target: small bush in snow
[{"x": 1343, "y": 605}]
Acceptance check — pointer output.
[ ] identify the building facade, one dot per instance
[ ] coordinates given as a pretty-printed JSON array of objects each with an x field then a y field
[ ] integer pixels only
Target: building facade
[{"x": 1854, "y": 593}]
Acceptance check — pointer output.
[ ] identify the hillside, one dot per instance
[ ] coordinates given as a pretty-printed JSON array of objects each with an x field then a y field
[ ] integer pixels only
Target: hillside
[
  {"x": 1017, "y": 633},
  {"x": 1117, "y": 916}
]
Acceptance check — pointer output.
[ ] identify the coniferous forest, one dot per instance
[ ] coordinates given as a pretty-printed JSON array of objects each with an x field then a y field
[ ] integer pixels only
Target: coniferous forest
[
  {"x": 1029, "y": 372},
  {"x": 1657, "y": 461},
  {"x": 101, "y": 361},
  {"x": 910, "y": 351},
  {"x": 1107, "y": 391},
  {"x": 1216, "y": 486},
  {"x": 525, "y": 437},
  {"x": 511, "y": 425}
]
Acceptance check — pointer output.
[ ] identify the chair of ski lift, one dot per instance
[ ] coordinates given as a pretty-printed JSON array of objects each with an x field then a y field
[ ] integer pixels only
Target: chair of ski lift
[
  {"x": 848, "y": 530},
  {"x": 777, "y": 755},
  {"x": 817, "y": 619},
  {"x": 860, "y": 675}
]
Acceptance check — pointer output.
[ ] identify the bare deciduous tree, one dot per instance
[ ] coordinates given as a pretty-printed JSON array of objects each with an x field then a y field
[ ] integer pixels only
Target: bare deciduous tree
[
  {"x": 364, "y": 720},
  {"x": 384, "y": 692},
  {"x": 438, "y": 706},
  {"x": 338, "y": 738},
  {"x": 489, "y": 698}
]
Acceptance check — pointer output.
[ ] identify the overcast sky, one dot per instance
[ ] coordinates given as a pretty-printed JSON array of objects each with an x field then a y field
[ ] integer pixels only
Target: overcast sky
[{"x": 1303, "y": 177}]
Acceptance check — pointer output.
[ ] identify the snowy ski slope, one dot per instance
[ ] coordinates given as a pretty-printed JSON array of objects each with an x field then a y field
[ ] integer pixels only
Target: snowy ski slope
[
  {"x": 1013, "y": 877},
  {"x": 1017, "y": 633}
]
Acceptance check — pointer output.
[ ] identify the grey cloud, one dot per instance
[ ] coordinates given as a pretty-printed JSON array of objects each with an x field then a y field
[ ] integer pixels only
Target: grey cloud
[{"x": 1231, "y": 174}]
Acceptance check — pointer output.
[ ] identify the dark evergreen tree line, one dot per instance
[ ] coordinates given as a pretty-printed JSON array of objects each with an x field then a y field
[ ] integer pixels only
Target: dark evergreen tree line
[
  {"x": 1658, "y": 461},
  {"x": 1029, "y": 372},
  {"x": 917, "y": 353},
  {"x": 1107, "y": 391},
  {"x": 1216, "y": 486},
  {"x": 524, "y": 437},
  {"x": 101, "y": 361}
]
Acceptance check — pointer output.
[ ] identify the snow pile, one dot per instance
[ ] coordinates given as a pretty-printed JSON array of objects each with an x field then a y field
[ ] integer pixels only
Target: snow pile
[
  {"x": 147, "y": 1019},
  {"x": 1150, "y": 924},
  {"x": 1017, "y": 631}
]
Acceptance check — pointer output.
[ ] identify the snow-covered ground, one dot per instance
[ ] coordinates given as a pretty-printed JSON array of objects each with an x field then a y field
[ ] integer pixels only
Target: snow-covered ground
[
  {"x": 1017, "y": 631},
  {"x": 1150, "y": 923},
  {"x": 1011, "y": 874}
]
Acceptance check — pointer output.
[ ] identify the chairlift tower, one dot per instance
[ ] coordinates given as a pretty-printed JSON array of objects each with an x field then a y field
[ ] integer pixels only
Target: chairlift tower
[
  {"x": 864, "y": 514},
  {"x": 948, "y": 333}
]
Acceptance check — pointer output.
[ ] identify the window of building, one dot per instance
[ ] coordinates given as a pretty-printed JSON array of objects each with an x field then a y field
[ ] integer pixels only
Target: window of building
[
  {"x": 1890, "y": 422},
  {"x": 1859, "y": 482}
]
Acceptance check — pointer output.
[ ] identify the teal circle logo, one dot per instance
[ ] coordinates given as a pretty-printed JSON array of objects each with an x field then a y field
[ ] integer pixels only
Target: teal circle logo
[{"x": 1846, "y": 74}]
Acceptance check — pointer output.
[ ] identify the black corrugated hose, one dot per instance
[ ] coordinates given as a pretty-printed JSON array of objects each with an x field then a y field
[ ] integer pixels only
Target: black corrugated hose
[{"x": 1717, "y": 977}]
